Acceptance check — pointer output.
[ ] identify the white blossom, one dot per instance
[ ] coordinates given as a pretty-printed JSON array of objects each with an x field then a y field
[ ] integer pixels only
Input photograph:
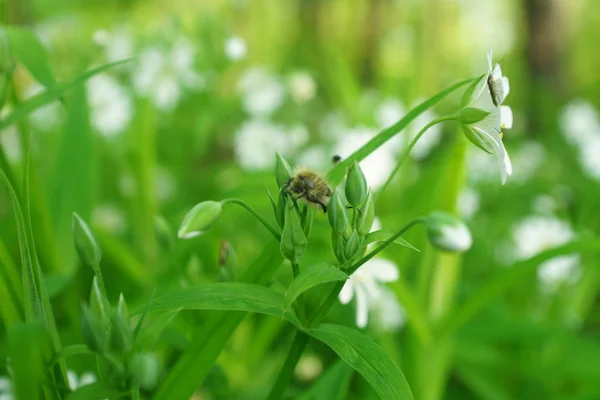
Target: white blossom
[
  {"x": 111, "y": 106},
  {"x": 256, "y": 142},
  {"x": 535, "y": 234},
  {"x": 468, "y": 202},
  {"x": 118, "y": 45},
  {"x": 388, "y": 314},
  {"x": 235, "y": 48},
  {"x": 47, "y": 117},
  {"x": 75, "y": 382},
  {"x": 364, "y": 285},
  {"x": 302, "y": 87},
  {"x": 308, "y": 368},
  {"x": 262, "y": 93},
  {"x": 6, "y": 392},
  {"x": 110, "y": 218}
]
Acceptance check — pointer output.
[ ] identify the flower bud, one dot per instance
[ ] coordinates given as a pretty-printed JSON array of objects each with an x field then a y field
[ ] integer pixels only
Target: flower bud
[
  {"x": 367, "y": 216},
  {"x": 280, "y": 209},
  {"x": 352, "y": 246},
  {"x": 199, "y": 219},
  {"x": 293, "y": 240},
  {"x": 95, "y": 334},
  {"x": 122, "y": 308},
  {"x": 356, "y": 186},
  {"x": 121, "y": 337},
  {"x": 337, "y": 245},
  {"x": 85, "y": 243},
  {"x": 471, "y": 115},
  {"x": 448, "y": 233},
  {"x": 98, "y": 304},
  {"x": 338, "y": 219},
  {"x": 145, "y": 370},
  {"x": 163, "y": 231},
  {"x": 283, "y": 171}
]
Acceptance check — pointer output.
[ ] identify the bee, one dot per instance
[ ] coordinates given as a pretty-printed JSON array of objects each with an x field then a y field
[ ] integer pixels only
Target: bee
[{"x": 310, "y": 187}]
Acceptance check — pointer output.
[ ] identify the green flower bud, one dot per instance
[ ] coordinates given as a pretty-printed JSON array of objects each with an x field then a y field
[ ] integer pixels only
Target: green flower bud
[
  {"x": 145, "y": 370},
  {"x": 163, "y": 231},
  {"x": 366, "y": 217},
  {"x": 471, "y": 115},
  {"x": 85, "y": 243},
  {"x": 338, "y": 219},
  {"x": 280, "y": 209},
  {"x": 199, "y": 219},
  {"x": 478, "y": 139},
  {"x": 352, "y": 246},
  {"x": 356, "y": 186},
  {"x": 283, "y": 171},
  {"x": 95, "y": 333},
  {"x": 337, "y": 245},
  {"x": 293, "y": 240},
  {"x": 121, "y": 337},
  {"x": 448, "y": 233},
  {"x": 122, "y": 309},
  {"x": 98, "y": 304}
]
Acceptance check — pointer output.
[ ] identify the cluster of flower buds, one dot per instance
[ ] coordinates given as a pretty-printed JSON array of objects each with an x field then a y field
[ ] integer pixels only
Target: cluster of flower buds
[
  {"x": 348, "y": 232},
  {"x": 107, "y": 330}
]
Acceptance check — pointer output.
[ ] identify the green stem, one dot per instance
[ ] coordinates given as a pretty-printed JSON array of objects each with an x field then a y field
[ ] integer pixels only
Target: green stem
[
  {"x": 412, "y": 144},
  {"x": 301, "y": 339},
  {"x": 299, "y": 302},
  {"x": 255, "y": 214}
]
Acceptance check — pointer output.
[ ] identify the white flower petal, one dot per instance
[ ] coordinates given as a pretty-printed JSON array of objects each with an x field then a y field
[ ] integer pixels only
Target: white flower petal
[
  {"x": 87, "y": 378},
  {"x": 72, "y": 379},
  {"x": 372, "y": 289},
  {"x": 347, "y": 293},
  {"x": 362, "y": 307},
  {"x": 497, "y": 73},
  {"x": 505, "y": 87},
  {"x": 489, "y": 59},
  {"x": 500, "y": 151},
  {"x": 383, "y": 270},
  {"x": 506, "y": 117}
]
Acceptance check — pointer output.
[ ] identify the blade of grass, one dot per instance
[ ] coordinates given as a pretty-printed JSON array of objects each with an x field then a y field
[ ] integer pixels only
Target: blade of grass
[{"x": 11, "y": 289}]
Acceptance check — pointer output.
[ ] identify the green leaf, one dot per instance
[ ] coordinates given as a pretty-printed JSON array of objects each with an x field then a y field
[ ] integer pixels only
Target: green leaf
[
  {"x": 230, "y": 296},
  {"x": 382, "y": 236},
  {"x": 51, "y": 94},
  {"x": 335, "y": 176},
  {"x": 366, "y": 357},
  {"x": 310, "y": 277},
  {"x": 94, "y": 391},
  {"x": 468, "y": 94},
  {"x": 193, "y": 366},
  {"x": 332, "y": 385},
  {"x": 26, "y": 47},
  {"x": 150, "y": 333},
  {"x": 11, "y": 289},
  {"x": 506, "y": 279}
]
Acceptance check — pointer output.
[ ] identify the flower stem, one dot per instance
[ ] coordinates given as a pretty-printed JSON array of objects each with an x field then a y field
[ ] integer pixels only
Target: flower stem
[
  {"x": 255, "y": 214},
  {"x": 301, "y": 339},
  {"x": 411, "y": 145}
]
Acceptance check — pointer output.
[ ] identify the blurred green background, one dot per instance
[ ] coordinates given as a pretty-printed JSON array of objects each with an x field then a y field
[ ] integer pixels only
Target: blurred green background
[{"x": 215, "y": 88}]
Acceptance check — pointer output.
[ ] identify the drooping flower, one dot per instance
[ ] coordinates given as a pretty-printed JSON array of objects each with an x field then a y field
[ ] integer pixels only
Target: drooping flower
[
  {"x": 484, "y": 117},
  {"x": 535, "y": 234},
  {"x": 364, "y": 285}
]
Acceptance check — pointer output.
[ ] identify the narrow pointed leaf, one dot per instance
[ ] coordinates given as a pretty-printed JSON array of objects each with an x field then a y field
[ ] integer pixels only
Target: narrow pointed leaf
[
  {"x": 28, "y": 50},
  {"x": 382, "y": 236},
  {"x": 310, "y": 277}
]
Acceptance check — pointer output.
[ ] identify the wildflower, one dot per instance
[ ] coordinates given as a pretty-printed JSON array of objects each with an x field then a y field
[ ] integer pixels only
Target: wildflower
[
  {"x": 309, "y": 367},
  {"x": 544, "y": 204},
  {"x": 235, "y": 48},
  {"x": 468, "y": 202},
  {"x": 388, "y": 313},
  {"x": 109, "y": 218},
  {"x": 302, "y": 87},
  {"x": 117, "y": 45},
  {"x": 484, "y": 116},
  {"x": 262, "y": 92},
  {"x": 364, "y": 284},
  {"x": 579, "y": 122},
  {"x": 6, "y": 389},
  {"x": 535, "y": 234},
  {"x": 111, "y": 106},
  {"x": 162, "y": 74},
  {"x": 448, "y": 232},
  {"x": 528, "y": 160},
  {"x": 75, "y": 382}
]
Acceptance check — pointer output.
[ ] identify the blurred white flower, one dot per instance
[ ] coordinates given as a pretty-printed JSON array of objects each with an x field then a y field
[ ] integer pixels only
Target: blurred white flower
[
  {"x": 535, "y": 234},
  {"x": 118, "y": 45},
  {"x": 429, "y": 139},
  {"x": 302, "y": 87},
  {"x": 315, "y": 157},
  {"x": 235, "y": 48},
  {"x": 589, "y": 159},
  {"x": 468, "y": 202},
  {"x": 388, "y": 314},
  {"x": 262, "y": 92},
  {"x": 75, "y": 382},
  {"x": 109, "y": 218},
  {"x": 364, "y": 284},
  {"x": 378, "y": 165},
  {"x": 544, "y": 204},
  {"x": 490, "y": 91},
  {"x": 579, "y": 122},
  {"x": 46, "y": 117},
  {"x": 332, "y": 125},
  {"x": 308, "y": 368},
  {"x": 256, "y": 142},
  {"x": 111, "y": 107},
  {"x": 162, "y": 75},
  {"x": 6, "y": 389},
  {"x": 527, "y": 160}
]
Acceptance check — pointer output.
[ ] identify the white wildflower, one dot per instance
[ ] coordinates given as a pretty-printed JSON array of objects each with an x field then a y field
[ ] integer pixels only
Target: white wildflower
[
  {"x": 302, "y": 87},
  {"x": 75, "y": 382},
  {"x": 262, "y": 92},
  {"x": 235, "y": 48},
  {"x": 387, "y": 312},
  {"x": 544, "y": 204},
  {"x": 364, "y": 285},
  {"x": 468, "y": 202},
  {"x": 110, "y": 218},
  {"x": 111, "y": 106},
  {"x": 256, "y": 142},
  {"x": 579, "y": 122},
  {"x": 47, "y": 117},
  {"x": 308, "y": 368}
]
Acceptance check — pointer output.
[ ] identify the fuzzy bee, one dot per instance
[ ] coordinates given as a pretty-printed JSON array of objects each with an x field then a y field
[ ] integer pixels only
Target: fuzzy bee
[{"x": 310, "y": 187}]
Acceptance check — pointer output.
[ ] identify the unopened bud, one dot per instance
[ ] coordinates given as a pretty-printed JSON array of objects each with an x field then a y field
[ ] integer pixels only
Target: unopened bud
[
  {"x": 448, "y": 233},
  {"x": 199, "y": 219},
  {"x": 338, "y": 219},
  {"x": 85, "y": 243},
  {"x": 356, "y": 186},
  {"x": 293, "y": 240},
  {"x": 283, "y": 171}
]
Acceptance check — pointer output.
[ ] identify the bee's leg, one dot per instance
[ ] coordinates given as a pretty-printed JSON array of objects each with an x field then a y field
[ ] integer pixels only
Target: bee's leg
[
  {"x": 286, "y": 184},
  {"x": 359, "y": 212}
]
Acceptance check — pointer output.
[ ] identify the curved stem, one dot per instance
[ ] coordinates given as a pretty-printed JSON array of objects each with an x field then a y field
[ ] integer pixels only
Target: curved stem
[
  {"x": 255, "y": 214},
  {"x": 412, "y": 144},
  {"x": 301, "y": 339}
]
